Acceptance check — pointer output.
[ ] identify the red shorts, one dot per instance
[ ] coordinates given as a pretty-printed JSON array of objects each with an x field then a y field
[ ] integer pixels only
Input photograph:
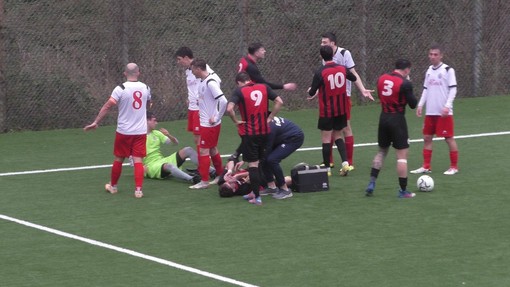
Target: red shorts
[
  {"x": 194, "y": 122},
  {"x": 209, "y": 136},
  {"x": 126, "y": 145},
  {"x": 348, "y": 108},
  {"x": 439, "y": 126}
]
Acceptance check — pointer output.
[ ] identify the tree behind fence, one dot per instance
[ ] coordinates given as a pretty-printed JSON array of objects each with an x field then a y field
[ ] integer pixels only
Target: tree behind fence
[{"x": 63, "y": 58}]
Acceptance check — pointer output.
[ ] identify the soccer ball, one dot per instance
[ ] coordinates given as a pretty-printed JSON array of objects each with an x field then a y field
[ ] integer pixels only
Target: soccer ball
[{"x": 425, "y": 183}]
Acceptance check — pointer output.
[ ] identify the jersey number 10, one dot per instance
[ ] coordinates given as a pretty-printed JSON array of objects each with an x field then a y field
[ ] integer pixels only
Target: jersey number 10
[{"x": 336, "y": 81}]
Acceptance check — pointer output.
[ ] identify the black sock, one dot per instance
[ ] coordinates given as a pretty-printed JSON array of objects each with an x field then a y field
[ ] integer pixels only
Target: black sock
[
  {"x": 402, "y": 181},
  {"x": 340, "y": 144},
  {"x": 326, "y": 153},
  {"x": 254, "y": 180},
  {"x": 374, "y": 173}
]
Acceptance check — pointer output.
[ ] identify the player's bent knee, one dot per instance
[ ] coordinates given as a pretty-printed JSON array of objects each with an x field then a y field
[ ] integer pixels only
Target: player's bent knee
[{"x": 188, "y": 151}]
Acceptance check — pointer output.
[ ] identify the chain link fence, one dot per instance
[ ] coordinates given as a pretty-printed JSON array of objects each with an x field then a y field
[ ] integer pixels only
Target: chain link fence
[{"x": 60, "y": 60}]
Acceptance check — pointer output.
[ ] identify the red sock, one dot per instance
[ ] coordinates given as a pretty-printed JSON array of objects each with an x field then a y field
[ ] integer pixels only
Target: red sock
[
  {"x": 218, "y": 164},
  {"x": 427, "y": 157},
  {"x": 454, "y": 158},
  {"x": 204, "y": 161},
  {"x": 138, "y": 175},
  {"x": 331, "y": 158},
  {"x": 349, "y": 148},
  {"x": 115, "y": 173}
]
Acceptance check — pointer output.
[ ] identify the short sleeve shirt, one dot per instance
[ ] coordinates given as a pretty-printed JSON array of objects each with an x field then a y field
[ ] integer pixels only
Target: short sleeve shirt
[
  {"x": 154, "y": 141},
  {"x": 209, "y": 92},
  {"x": 132, "y": 100}
]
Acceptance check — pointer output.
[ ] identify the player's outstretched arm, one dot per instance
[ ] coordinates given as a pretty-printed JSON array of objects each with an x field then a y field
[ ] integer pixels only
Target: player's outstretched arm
[
  {"x": 104, "y": 110},
  {"x": 359, "y": 84},
  {"x": 290, "y": 86}
]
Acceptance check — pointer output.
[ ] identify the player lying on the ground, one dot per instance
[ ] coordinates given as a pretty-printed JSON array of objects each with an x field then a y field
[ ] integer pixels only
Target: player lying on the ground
[{"x": 236, "y": 181}]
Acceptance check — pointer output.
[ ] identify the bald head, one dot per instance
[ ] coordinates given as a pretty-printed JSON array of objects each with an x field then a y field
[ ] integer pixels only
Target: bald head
[{"x": 132, "y": 71}]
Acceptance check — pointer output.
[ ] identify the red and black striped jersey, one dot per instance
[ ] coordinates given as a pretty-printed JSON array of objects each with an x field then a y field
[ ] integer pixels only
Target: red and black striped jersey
[
  {"x": 330, "y": 80},
  {"x": 395, "y": 92},
  {"x": 248, "y": 65},
  {"x": 253, "y": 102}
]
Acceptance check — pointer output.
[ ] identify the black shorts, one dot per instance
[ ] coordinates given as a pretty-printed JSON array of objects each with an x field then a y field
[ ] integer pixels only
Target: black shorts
[
  {"x": 393, "y": 129},
  {"x": 253, "y": 147},
  {"x": 335, "y": 123}
]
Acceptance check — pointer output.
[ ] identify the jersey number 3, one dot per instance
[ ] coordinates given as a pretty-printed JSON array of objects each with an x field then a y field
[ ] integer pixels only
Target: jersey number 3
[{"x": 388, "y": 88}]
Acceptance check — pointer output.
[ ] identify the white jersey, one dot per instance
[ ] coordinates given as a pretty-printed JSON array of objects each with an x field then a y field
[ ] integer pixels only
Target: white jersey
[
  {"x": 343, "y": 57},
  {"x": 192, "y": 82},
  {"x": 132, "y": 100},
  {"x": 439, "y": 90},
  {"x": 211, "y": 103}
]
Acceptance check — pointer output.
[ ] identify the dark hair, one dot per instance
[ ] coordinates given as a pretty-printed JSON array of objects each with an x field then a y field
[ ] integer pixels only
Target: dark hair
[
  {"x": 402, "y": 64},
  {"x": 150, "y": 115},
  {"x": 254, "y": 47},
  {"x": 225, "y": 190},
  {"x": 436, "y": 46},
  {"x": 242, "y": 77},
  {"x": 326, "y": 53},
  {"x": 330, "y": 35},
  {"x": 199, "y": 63},
  {"x": 184, "y": 52}
]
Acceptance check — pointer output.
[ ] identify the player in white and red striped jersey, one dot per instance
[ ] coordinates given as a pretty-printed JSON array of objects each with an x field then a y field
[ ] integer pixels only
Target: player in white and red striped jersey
[
  {"x": 439, "y": 91},
  {"x": 211, "y": 104},
  {"x": 343, "y": 57},
  {"x": 132, "y": 98},
  {"x": 184, "y": 57}
]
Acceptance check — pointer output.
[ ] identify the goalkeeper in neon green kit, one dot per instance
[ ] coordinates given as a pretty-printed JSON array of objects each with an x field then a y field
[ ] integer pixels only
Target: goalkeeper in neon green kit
[{"x": 156, "y": 165}]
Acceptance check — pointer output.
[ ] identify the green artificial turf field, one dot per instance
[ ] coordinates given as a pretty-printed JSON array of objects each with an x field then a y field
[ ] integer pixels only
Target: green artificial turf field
[{"x": 456, "y": 235}]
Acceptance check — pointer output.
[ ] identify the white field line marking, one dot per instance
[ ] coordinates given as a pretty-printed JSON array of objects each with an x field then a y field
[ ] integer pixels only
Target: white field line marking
[
  {"x": 421, "y": 140},
  {"x": 227, "y": 155},
  {"x": 156, "y": 259},
  {"x": 127, "y": 251}
]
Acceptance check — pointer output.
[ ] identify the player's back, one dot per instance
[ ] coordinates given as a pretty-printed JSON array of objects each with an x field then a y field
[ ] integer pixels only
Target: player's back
[
  {"x": 332, "y": 95},
  {"x": 392, "y": 89},
  {"x": 334, "y": 77},
  {"x": 254, "y": 109},
  {"x": 132, "y": 100},
  {"x": 244, "y": 62},
  {"x": 284, "y": 129}
]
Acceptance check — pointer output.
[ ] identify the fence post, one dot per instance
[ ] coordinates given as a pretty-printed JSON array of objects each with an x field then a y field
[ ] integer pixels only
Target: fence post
[
  {"x": 124, "y": 31},
  {"x": 362, "y": 63},
  {"x": 477, "y": 53},
  {"x": 363, "y": 37},
  {"x": 243, "y": 27},
  {"x": 3, "y": 96}
]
